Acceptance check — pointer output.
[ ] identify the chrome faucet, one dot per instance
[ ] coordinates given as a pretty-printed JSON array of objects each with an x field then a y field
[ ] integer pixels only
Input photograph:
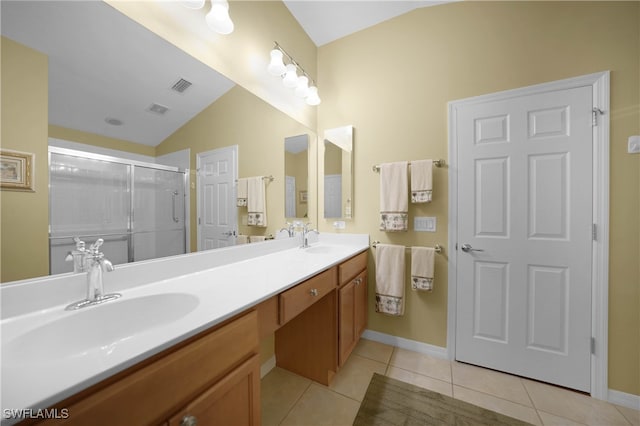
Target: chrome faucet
[
  {"x": 289, "y": 228},
  {"x": 93, "y": 262},
  {"x": 305, "y": 234}
]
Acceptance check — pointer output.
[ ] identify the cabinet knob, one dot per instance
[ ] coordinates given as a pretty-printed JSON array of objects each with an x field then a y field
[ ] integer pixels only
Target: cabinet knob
[
  {"x": 358, "y": 281},
  {"x": 314, "y": 291},
  {"x": 189, "y": 421}
]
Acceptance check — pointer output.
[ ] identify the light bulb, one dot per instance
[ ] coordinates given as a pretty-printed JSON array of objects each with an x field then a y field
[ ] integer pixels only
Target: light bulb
[
  {"x": 290, "y": 79},
  {"x": 313, "y": 99},
  {"x": 276, "y": 66},
  {"x": 193, "y": 4},
  {"x": 218, "y": 18},
  {"x": 302, "y": 89}
]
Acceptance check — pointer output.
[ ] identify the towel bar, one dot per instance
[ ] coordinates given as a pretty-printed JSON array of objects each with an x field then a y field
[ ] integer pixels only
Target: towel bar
[
  {"x": 438, "y": 248},
  {"x": 437, "y": 163},
  {"x": 270, "y": 178}
]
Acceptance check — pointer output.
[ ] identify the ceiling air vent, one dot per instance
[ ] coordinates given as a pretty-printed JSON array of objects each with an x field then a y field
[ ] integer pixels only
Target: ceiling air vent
[
  {"x": 158, "y": 109},
  {"x": 181, "y": 85}
]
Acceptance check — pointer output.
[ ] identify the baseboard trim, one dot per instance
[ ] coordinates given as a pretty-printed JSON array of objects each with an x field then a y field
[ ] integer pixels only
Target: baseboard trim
[
  {"x": 408, "y": 344},
  {"x": 628, "y": 400},
  {"x": 267, "y": 366}
]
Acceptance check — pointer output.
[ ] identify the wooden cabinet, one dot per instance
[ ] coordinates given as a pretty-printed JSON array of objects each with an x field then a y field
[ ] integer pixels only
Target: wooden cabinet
[
  {"x": 352, "y": 306},
  {"x": 315, "y": 339},
  {"x": 233, "y": 401},
  {"x": 215, "y": 373}
]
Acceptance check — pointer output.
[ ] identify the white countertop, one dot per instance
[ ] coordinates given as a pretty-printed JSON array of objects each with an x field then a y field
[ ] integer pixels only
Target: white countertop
[{"x": 222, "y": 291}]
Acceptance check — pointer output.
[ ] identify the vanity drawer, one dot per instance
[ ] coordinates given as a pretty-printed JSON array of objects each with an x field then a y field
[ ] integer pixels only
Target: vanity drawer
[
  {"x": 352, "y": 267},
  {"x": 300, "y": 297}
]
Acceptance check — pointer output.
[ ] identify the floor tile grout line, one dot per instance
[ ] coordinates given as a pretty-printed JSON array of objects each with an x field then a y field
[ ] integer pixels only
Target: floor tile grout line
[
  {"x": 533, "y": 404},
  {"x": 296, "y": 402}
]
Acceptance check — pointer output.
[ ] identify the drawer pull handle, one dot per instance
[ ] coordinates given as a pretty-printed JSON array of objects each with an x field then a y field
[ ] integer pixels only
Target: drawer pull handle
[
  {"x": 314, "y": 291},
  {"x": 189, "y": 421}
]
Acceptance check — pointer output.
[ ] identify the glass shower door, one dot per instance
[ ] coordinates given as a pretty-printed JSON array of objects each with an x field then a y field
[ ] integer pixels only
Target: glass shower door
[
  {"x": 159, "y": 213},
  {"x": 89, "y": 199}
]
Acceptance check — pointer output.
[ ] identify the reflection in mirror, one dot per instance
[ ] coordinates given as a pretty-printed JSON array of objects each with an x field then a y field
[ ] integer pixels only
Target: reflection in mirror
[
  {"x": 106, "y": 91},
  {"x": 296, "y": 171},
  {"x": 338, "y": 176}
]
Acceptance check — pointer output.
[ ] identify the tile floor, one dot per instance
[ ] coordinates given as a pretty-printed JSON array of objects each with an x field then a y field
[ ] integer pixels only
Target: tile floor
[{"x": 288, "y": 399}]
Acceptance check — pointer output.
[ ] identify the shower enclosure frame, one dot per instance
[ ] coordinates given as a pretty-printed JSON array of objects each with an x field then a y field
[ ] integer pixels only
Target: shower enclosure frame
[{"x": 130, "y": 163}]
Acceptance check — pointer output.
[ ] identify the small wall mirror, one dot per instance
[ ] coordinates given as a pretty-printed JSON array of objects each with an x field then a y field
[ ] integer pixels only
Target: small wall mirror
[
  {"x": 296, "y": 171},
  {"x": 338, "y": 176}
]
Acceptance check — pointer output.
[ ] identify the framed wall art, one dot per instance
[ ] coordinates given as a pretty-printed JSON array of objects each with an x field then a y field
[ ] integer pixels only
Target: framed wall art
[{"x": 16, "y": 170}]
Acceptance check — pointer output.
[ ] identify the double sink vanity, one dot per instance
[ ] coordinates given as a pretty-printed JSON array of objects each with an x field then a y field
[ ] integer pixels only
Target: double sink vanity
[{"x": 181, "y": 345}]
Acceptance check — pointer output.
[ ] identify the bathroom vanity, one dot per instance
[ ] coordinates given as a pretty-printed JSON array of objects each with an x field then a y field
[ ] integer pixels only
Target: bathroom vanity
[{"x": 210, "y": 374}]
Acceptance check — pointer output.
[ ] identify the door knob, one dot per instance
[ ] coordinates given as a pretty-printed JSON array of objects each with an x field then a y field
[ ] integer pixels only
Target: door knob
[
  {"x": 467, "y": 248},
  {"x": 229, "y": 233}
]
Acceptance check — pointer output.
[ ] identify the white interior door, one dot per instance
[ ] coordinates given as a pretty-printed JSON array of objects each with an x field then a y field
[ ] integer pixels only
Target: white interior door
[
  {"x": 217, "y": 210},
  {"x": 290, "y": 196},
  {"x": 525, "y": 235},
  {"x": 332, "y": 196}
]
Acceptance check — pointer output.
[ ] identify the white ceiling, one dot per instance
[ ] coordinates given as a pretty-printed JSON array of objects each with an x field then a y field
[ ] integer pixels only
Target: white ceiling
[{"x": 328, "y": 20}]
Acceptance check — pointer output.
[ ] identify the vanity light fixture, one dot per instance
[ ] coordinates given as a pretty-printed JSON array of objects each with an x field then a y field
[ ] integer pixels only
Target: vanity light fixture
[
  {"x": 303, "y": 85},
  {"x": 218, "y": 18}
]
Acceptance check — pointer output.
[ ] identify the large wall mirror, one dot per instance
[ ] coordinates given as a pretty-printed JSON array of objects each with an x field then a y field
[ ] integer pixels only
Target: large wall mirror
[
  {"x": 296, "y": 174},
  {"x": 338, "y": 173},
  {"x": 114, "y": 86}
]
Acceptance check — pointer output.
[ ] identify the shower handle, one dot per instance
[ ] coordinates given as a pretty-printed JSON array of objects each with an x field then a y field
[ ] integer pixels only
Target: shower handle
[{"x": 173, "y": 206}]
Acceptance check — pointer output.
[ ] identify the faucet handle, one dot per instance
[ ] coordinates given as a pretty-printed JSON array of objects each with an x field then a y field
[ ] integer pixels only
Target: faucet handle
[
  {"x": 80, "y": 245},
  {"x": 95, "y": 246}
]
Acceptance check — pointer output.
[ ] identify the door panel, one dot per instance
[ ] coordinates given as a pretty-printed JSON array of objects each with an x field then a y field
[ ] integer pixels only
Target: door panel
[
  {"x": 524, "y": 203},
  {"x": 217, "y": 177}
]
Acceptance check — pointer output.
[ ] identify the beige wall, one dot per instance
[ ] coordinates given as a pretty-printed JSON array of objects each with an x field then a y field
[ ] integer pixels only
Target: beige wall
[
  {"x": 393, "y": 82},
  {"x": 100, "y": 141},
  {"x": 240, "y": 118},
  {"x": 24, "y": 242}
]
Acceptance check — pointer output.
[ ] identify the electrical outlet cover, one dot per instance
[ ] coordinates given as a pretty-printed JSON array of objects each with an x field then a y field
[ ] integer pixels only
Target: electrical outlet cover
[{"x": 634, "y": 144}]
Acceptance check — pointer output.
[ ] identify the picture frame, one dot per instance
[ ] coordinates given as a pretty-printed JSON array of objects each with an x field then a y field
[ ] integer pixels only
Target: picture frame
[
  {"x": 303, "y": 197},
  {"x": 16, "y": 170}
]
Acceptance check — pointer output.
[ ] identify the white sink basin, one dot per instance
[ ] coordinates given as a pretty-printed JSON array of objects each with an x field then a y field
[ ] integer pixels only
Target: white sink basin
[{"x": 98, "y": 328}]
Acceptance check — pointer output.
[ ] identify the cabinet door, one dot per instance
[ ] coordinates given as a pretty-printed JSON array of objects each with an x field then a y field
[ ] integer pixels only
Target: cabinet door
[
  {"x": 360, "y": 303},
  {"x": 352, "y": 315},
  {"x": 346, "y": 332},
  {"x": 233, "y": 401}
]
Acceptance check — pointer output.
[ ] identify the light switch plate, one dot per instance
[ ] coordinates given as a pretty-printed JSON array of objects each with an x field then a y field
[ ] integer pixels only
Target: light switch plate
[
  {"x": 339, "y": 224},
  {"x": 634, "y": 144},
  {"x": 424, "y": 224}
]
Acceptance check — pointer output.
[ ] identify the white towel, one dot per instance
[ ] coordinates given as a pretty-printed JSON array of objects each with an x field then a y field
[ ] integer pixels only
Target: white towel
[
  {"x": 422, "y": 265},
  {"x": 256, "y": 202},
  {"x": 242, "y": 239},
  {"x": 390, "y": 279},
  {"x": 256, "y": 238},
  {"x": 421, "y": 181},
  {"x": 394, "y": 187},
  {"x": 241, "y": 197}
]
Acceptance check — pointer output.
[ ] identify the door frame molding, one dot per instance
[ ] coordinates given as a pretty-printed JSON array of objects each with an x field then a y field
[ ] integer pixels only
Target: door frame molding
[
  {"x": 599, "y": 82},
  {"x": 234, "y": 149}
]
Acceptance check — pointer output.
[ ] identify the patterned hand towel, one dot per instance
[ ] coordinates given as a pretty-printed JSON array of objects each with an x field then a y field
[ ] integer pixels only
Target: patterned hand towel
[
  {"x": 241, "y": 197},
  {"x": 422, "y": 265},
  {"x": 394, "y": 204},
  {"x": 421, "y": 181},
  {"x": 390, "y": 279},
  {"x": 256, "y": 202}
]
